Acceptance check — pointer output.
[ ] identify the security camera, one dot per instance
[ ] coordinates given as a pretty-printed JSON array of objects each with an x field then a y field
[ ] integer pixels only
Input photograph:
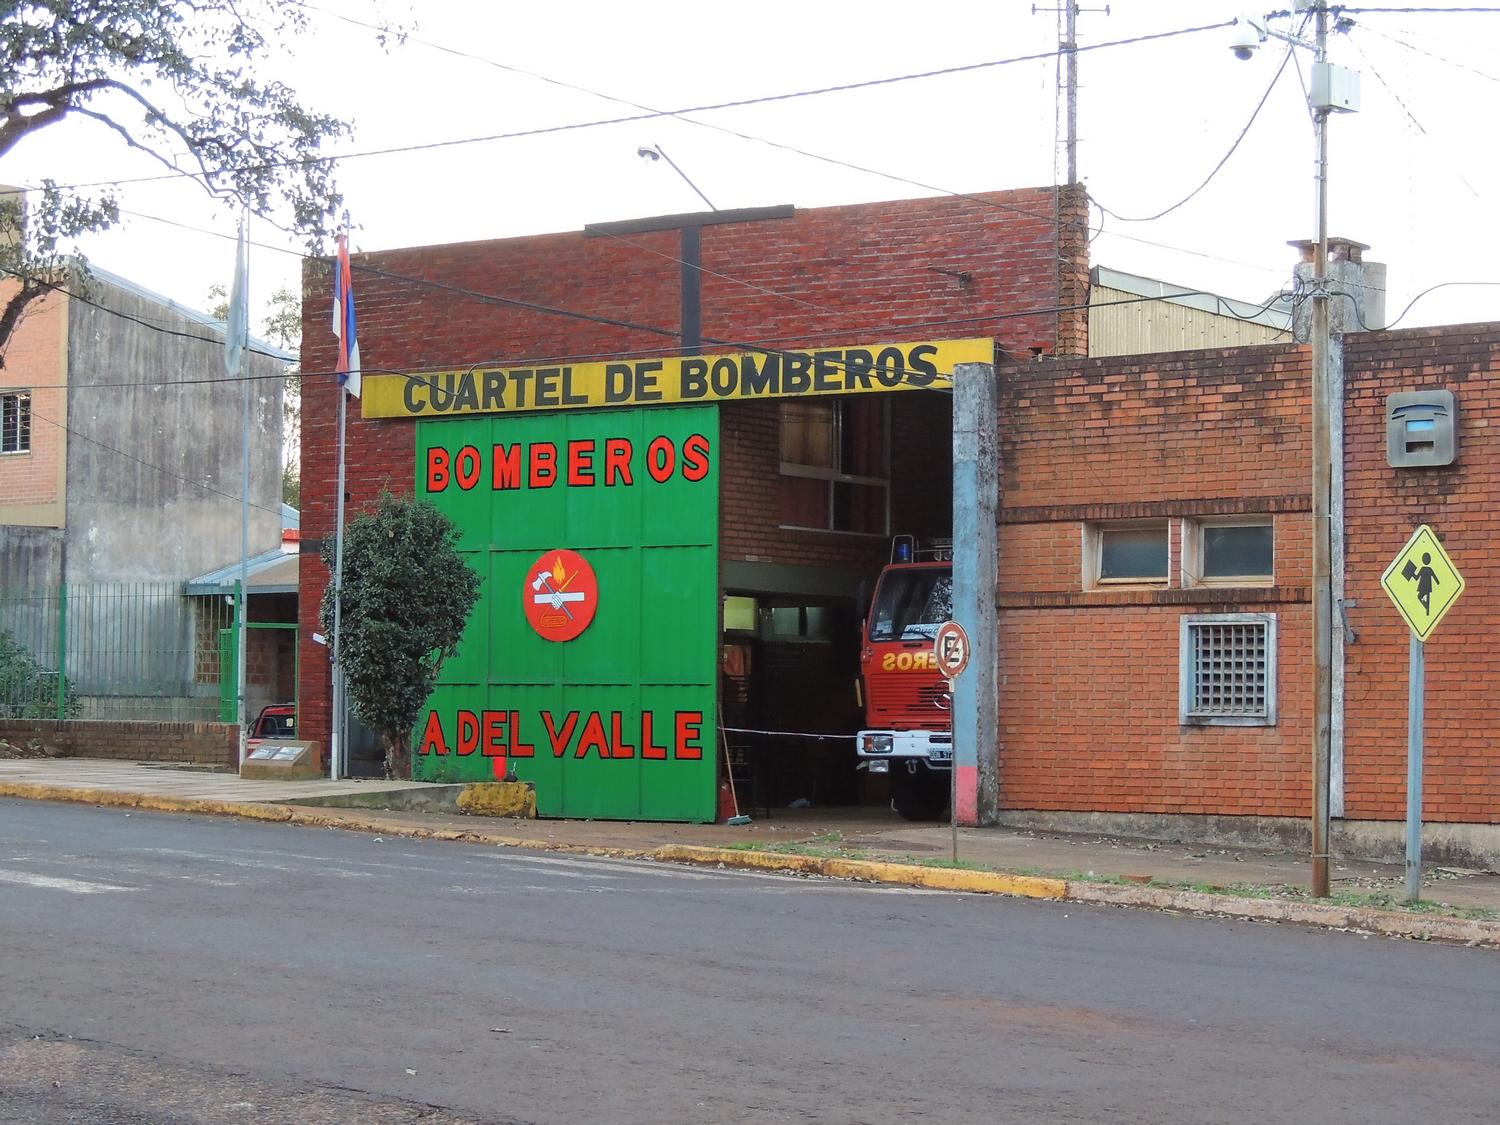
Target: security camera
[{"x": 1249, "y": 33}]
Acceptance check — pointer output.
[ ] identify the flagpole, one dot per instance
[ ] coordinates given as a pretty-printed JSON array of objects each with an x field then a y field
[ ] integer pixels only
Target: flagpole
[
  {"x": 348, "y": 369},
  {"x": 338, "y": 751},
  {"x": 237, "y": 331}
]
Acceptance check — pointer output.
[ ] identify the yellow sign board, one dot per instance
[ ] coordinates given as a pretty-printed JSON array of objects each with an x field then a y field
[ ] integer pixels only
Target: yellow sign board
[
  {"x": 1423, "y": 582},
  {"x": 747, "y": 376}
]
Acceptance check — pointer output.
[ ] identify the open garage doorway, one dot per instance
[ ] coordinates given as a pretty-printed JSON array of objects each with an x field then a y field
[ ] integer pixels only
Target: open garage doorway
[{"x": 789, "y": 667}]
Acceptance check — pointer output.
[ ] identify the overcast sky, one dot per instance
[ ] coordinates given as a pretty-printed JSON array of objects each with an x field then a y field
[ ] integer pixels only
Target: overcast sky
[{"x": 1415, "y": 174}]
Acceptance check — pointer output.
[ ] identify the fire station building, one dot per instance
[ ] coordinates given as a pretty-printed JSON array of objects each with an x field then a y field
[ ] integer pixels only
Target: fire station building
[{"x": 677, "y": 451}]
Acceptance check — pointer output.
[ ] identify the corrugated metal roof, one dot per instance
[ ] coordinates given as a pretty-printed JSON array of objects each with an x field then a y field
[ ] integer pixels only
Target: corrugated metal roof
[
  {"x": 1274, "y": 316},
  {"x": 274, "y": 572}
]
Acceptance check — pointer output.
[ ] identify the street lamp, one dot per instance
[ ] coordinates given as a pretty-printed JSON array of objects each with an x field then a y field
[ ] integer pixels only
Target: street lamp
[
  {"x": 654, "y": 153},
  {"x": 1333, "y": 89}
]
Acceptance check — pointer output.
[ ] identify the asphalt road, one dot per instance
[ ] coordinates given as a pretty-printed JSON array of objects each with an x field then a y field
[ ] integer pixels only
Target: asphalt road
[{"x": 183, "y": 969}]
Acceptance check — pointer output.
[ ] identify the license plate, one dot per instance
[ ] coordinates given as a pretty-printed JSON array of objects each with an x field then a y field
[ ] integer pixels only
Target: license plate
[{"x": 941, "y": 755}]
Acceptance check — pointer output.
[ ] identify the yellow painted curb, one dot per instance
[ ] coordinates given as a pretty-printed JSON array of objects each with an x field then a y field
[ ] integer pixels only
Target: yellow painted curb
[
  {"x": 1328, "y": 915},
  {"x": 33, "y": 792},
  {"x": 499, "y": 798},
  {"x": 121, "y": 799},
  {"x": 871, "y": 871}
]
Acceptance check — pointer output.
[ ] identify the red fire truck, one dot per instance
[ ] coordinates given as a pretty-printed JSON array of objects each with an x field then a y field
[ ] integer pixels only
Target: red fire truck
[{"x": 905, "y": 699}]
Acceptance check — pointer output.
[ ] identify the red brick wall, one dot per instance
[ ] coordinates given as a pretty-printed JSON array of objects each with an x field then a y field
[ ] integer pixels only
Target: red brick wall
[
  {"x": 34, "y": 362},
  {"x": 921, "y": 487},
  {"x": 1089, "y": 695},
  {"x": 208, "y": 744},
  {"x": 842, "y": 274},
  {"x": 1384, "y": 506}
]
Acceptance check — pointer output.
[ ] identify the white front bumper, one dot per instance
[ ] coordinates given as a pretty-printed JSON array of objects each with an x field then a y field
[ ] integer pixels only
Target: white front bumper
[{"x": 882, "y": 745}]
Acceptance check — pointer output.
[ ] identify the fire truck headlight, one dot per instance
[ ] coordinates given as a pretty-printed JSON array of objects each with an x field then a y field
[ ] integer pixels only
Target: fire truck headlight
[{"x": 876, "y": 744}]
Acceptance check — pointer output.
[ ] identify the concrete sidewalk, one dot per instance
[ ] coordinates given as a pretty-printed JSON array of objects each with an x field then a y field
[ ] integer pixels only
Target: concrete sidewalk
[{"x": 854, "y": 843}]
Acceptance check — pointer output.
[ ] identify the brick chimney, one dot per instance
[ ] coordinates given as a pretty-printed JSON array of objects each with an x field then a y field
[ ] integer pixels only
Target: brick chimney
[{"x": 1356, "y": 288}]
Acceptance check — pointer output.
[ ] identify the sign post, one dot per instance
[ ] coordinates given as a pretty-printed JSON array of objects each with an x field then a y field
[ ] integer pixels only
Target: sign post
[
  {"x": 951, "y": 647},
  {"x": 1424, "y": 584}
]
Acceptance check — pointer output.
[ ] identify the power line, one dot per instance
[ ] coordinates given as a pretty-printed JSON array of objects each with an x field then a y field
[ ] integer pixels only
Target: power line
[
  {"x": 853, "y": 167},
  {"x": 769, "y": 345},
  {"x": 1432, "y": 55},
  {"x": 1275, "y": 78},
  {"x": 163, "y": 329},
  {"x": 651, "y": 114},
  {"x": 1410, "y": 116},
  {"x": 147, "y": 464},
  {"x": 1415, "y": 11},
  {"x": 1433, "y": 289},
  {"x": 680, "y": 114},
  {"x": 946, "y": 376}
]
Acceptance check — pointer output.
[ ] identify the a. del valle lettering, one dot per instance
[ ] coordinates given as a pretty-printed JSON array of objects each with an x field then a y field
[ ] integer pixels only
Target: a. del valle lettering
[{"x": 608, "y": 735}]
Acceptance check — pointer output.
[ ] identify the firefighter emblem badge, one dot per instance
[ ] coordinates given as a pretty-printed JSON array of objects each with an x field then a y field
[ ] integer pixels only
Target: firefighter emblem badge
[{"x": 560, "y": 595}]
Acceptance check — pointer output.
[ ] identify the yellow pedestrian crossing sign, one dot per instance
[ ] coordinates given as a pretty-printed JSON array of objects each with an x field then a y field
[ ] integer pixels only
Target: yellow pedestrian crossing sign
[{"x": 1423, "y": 582}]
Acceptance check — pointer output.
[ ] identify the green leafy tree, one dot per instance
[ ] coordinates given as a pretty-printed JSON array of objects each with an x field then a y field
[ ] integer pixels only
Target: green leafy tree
[
  {"x": 27, "y": 689},
  {"x": 407, "y": 594},
  {"x": 283, "y": 327},
  {"x": 173, "y": 79}
]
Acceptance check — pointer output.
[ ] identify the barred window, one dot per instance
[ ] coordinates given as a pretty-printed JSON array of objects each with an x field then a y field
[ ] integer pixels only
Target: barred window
[
  {"x": 1228, "y": 669},
  {"x": 15, "y": 422}
]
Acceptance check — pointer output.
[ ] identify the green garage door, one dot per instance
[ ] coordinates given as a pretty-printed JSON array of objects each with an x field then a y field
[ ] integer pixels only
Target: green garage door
[{"x": 618, "y": 722}]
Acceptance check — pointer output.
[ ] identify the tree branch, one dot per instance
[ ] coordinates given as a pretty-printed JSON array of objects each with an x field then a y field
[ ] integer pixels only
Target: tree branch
[
  {"x": 58, "y": 102},
  {"x": 29, "y": 291}
]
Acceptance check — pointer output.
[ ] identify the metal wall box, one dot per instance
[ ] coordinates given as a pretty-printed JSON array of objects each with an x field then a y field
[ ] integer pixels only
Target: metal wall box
[
  {"x": 1334, "y": 88},
  {"x": 1421, "y": 429}
]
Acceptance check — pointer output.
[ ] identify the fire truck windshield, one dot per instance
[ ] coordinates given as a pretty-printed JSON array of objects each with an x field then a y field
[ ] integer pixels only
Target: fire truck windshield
[{"x": 911, "y": 604}]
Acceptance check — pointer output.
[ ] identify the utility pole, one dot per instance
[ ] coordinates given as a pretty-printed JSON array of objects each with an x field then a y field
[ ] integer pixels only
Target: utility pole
[
  {"x": 1068, "y": 79},
  {"x": 1322, "y": 487},
  {"x": 1333, "y": 90}
]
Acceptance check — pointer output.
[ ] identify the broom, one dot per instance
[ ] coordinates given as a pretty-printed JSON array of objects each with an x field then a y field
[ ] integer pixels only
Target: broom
[{"x": 738, "y": 818}]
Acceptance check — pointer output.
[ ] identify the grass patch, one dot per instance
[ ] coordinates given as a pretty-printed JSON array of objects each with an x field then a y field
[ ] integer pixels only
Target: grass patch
[
  {"x": 1382, "y": 900},
  {"x": 958, "y": 865}
]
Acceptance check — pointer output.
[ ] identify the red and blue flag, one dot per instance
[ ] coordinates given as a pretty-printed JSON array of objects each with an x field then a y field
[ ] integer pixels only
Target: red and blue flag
[{"x": 343, "y": 320}]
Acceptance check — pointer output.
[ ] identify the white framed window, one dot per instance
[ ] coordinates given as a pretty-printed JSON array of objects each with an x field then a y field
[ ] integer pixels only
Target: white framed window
[
  {"x": 15, "y": 422},
  {"x": 1229, "y": 552},
  {"x": 1128, "y": 553},
  {"x": 835, "y": 464},
  {"x": 1227, "y": 673}
]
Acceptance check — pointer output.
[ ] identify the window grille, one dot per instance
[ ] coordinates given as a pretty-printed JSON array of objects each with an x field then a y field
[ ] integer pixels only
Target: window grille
[
  {"x": 1229, "y": 669},
  {"x": 15, "y": 422}
]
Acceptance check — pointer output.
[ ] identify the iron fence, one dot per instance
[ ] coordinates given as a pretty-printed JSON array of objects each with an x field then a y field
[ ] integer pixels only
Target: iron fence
[{"x": 117, "y": 651}]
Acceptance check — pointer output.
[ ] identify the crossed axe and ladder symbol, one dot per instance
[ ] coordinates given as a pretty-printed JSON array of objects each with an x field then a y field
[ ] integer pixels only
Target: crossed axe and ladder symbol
[{"x": 552, "y": 591}]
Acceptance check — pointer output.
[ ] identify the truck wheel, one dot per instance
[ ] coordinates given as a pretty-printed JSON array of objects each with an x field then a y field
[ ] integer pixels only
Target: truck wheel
[{"x": 919, "y": 796}]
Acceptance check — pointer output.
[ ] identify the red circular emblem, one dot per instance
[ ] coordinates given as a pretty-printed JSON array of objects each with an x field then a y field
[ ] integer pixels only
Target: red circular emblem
[{"x": 560, "y": 595}]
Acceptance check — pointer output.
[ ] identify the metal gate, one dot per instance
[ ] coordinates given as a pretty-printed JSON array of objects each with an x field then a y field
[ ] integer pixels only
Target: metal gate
[{"x": 620, "y": 722}]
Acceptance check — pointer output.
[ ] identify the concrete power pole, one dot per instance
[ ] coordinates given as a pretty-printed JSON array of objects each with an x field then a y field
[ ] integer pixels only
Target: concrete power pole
[
  {"x": 1333, "y": 89},
  {"x": 1322, "y": 495}
]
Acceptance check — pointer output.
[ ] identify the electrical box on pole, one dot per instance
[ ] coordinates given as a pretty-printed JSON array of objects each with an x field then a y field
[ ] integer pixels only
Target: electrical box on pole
[{"x": 1333, "y": 88}]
